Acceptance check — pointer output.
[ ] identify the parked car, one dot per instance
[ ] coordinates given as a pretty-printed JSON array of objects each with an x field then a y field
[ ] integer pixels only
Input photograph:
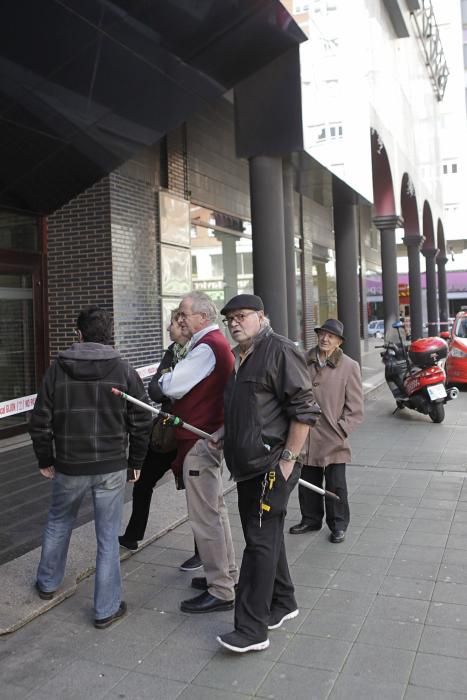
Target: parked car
[
  {"x": 376, "y": 329},
  {"x": 456, "y": 363}
]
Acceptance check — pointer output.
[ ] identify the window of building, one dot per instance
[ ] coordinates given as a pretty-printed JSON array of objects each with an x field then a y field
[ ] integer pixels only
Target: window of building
[
  {"x": 454, "y": 168},
  {"x": 445, "y": 169}
]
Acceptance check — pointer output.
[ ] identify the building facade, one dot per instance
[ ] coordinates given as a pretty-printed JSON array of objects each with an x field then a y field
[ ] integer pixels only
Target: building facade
[{"x": 277, "y": 154}]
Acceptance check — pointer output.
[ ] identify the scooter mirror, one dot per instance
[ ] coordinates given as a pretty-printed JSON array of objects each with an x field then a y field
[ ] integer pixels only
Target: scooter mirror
[{"x": 397, "y": 324}]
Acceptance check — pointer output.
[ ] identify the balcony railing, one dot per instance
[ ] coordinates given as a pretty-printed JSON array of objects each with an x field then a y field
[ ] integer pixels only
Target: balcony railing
[{"x": 428, "y": 34}]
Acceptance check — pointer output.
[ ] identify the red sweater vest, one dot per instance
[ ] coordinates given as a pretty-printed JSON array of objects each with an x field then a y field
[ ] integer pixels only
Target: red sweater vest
[{"x": 203, "y": 406}]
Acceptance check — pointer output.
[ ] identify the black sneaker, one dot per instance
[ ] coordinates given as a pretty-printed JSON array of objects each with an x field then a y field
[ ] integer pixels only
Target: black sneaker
[
  {"x": 234, "y": 641},
  {"x": 278, "y": 617},
  {"x": 128, "y": 544},
  {"x": 107, "y": 621},
  {"x": 191, "y": 564},
  {"x": 44, "y": 595}
]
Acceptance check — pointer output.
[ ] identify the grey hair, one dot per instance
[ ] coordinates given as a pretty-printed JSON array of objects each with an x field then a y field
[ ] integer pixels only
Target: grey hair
[{"x": 203, "y": 304}]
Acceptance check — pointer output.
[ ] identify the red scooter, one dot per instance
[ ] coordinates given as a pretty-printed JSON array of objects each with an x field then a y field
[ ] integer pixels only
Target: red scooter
[{"x": 416, "y": 376}]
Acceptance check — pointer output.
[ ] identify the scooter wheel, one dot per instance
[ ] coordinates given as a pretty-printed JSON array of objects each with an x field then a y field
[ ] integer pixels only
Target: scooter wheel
[
  {"x": 400, "y": 404},
  {"x": 436, "y": 413}
]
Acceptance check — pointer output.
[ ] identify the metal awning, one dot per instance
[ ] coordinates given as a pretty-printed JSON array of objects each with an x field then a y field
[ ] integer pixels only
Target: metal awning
[{"x": 86, "y": 84}]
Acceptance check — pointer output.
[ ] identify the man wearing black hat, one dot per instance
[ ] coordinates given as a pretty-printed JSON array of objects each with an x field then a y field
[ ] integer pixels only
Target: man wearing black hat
[
  {"x": 337, "y": 386},
  {"x": 269, "y": 409}
]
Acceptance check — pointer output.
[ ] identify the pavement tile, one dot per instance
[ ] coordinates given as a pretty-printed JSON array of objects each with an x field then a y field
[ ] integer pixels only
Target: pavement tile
[
  {"x": 355, "y": 581},
  {"x": 331, "y": 625},
  {"x": 391, "y": 633},
  {"x": 403, "y": 609},
  {"x": 376, "y": 549},
  {"x": 239, "y": 672},
  {"x": 307, "y": 596},
  {"x": 350, "y": 688},
  {"x": 168, "y": 661},
  {"x": 316, "y": 652},
  {"x": 441, "y": 673},
  {"x": 447, "y": 615},
  {"x": 311, "y": 576},
  {"x": 428, "y": 555},
  {"x": 444, "y": 641},
  {"x": 365, "y": 565},
  {"x": 434, "y": 514},
  {"x": 428, "y": 527},
  {"x": 378, "y": 664},
  {"x": 389, "y": 523},
  {"x": 81, "y": 679},
  {"x": 200, "y": 631},
  {"x": 452, "y": 573},
  {"x": 450, "y": 593},
  {"x": 401, "y": 587},
  {"x": 349, "y": 602},
  {"x": 455, "y": 556},
  {"x": 203, "y": 693},
  {"x": 443, "y": 504},
  {"x": 421, "y": 539},
  {"x": 457, "y": 542},
  {"x": 287, "y": 681},
  {"x": 143, "y": 687},
  {"x": 418, "y": 693}
]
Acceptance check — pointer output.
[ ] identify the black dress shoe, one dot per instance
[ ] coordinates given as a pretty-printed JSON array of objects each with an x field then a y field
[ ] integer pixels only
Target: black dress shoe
[
  {"x": 302, "y": 527},
  {"x": 337, "y": 536},
  {"x": 44, "y": 595},
  {"x": 200, "y": 583},
  {"x": 205, "y": 603}
]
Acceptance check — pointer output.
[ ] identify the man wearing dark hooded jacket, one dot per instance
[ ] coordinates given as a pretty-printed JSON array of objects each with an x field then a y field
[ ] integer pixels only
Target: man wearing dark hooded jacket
[{"x": 80, "y": 433}]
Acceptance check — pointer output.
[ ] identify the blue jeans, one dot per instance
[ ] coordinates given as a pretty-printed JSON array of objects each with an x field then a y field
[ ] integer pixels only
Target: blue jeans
[{"x": 67, "y": 495}]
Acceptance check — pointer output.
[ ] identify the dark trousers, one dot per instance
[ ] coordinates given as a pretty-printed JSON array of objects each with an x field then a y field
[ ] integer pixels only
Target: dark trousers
[
  {"x": 264, "y": 582},
  {"x": 155, "y": 465},
  {"x": 312, "y": 504}
]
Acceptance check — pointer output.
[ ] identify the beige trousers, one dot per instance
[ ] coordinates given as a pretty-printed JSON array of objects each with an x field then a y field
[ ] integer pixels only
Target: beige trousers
[{"x": 202, "y": 474}]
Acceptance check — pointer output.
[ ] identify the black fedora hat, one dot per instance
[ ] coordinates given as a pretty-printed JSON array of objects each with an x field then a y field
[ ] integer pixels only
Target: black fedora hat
[{"x": 332, "y": 325}]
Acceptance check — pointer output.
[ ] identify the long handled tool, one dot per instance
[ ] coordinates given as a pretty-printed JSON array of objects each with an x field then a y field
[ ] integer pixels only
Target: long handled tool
[{"x": 169, "y": 419}]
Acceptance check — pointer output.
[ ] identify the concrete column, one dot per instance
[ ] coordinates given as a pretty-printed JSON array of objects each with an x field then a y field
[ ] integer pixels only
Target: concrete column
[
  {"x": 387, "y": 227},
  {"x": 413, "y": 244},
  {"x": 289, "y": 232},
  {"x": 267, "y": 220},
  {"x": 229, "y": 259},
  {"x": 443, "y": 294},
  {"x": 346, "y": 242},
  {"x": 431, "y": 290}
]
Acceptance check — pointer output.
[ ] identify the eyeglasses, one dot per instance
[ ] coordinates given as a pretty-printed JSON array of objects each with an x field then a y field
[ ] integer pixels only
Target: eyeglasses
[{"x": 238, "y": 318}]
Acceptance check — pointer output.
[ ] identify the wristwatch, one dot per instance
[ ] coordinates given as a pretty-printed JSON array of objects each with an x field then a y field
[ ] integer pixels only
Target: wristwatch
[{"x": 288, "y": 456}]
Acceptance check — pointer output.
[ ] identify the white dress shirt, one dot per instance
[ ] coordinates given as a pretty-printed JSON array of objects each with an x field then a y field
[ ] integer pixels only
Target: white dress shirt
[{"x": 196, "y": 366}]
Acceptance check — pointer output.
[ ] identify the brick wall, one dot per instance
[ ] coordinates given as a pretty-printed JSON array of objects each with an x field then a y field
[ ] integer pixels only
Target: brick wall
[
  {"x": 79, "y": 262},
  {"x": 177, "y": 162},
  {"x": 135, "y": 260}
]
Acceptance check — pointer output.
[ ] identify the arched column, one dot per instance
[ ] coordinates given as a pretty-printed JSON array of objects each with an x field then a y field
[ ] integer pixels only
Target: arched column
[
  {"x": 443, "y": 293},
  {"x": 413, "y": 244},
  {"x": 431, "y": 291},
  {"x": 267, "y": 220},
  {"x": 387, "y": 227}
]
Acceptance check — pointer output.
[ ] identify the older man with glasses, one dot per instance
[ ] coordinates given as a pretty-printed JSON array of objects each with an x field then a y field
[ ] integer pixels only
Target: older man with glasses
[
  {"x": 196, "y": 386},
  {"x": 268, "y": 408}
]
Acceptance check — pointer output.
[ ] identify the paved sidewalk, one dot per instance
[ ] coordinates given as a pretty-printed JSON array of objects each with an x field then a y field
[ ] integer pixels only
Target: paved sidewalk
[{"x": 382, "y": 615}]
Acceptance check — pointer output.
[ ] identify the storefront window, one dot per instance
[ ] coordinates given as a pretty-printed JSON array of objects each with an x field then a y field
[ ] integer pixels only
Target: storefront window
[
  {"x": 221, "y": 253},
  {"x": 324, "y": 290},
  {"x": 18, "y": 232}
]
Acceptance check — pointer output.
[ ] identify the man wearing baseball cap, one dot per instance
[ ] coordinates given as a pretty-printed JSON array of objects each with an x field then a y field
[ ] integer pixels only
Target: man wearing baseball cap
[
  {"x": 269, "y": 409},
  {"x": 337, "y": 386}
]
